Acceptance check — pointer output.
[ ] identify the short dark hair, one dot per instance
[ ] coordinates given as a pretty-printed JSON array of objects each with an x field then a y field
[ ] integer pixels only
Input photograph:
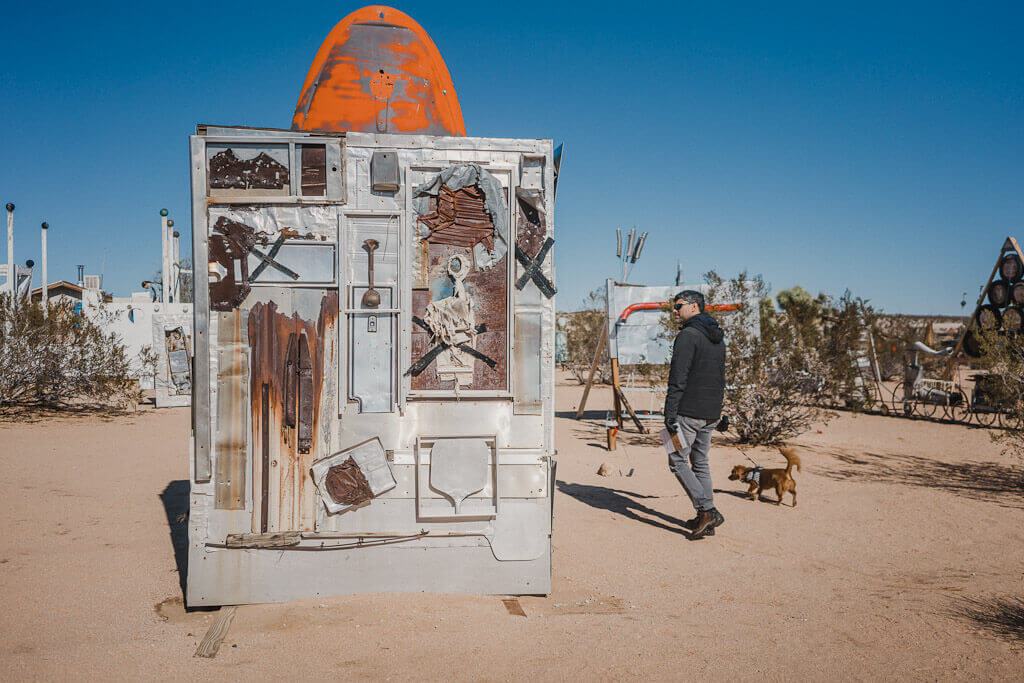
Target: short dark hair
[{"x": 691, "y": 296}]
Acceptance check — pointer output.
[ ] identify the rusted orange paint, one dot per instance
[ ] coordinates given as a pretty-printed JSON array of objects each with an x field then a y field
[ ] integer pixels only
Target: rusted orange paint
[{"x": 378, "y": 71}]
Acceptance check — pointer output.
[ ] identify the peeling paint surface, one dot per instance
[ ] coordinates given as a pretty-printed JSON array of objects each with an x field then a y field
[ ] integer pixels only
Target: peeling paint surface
[{"x": 378, "y": 71}]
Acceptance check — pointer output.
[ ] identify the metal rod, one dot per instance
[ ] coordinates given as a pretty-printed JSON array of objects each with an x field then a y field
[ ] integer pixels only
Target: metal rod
[
  {"x": 176, "y": 269},
  {"x": 639, "y": 247},
  {"x": 46, "y": 300},
  {"x": 618, "y": 243},
  {"x": 629, "y": 250},
  {"x": 164, "y": 280},
  {"x": 265, "y": 457},
  {"x": 10, "y": 285}
]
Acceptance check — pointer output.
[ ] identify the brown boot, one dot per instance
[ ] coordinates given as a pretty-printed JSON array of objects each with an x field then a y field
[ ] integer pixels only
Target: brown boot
[
  {"x": 705, "y": 525},
  {"x": 691, "y": 524}
]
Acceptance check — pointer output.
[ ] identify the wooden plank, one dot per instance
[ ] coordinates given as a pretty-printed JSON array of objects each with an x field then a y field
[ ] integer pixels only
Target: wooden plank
[
  {"x": 632, "y": 413},
  {"x": 601, "y": 342},
  {"x": 216, "y": 633},
  {"x": 278, "y": 539},
  {"x": 514, "y": 607},
  {"x": 617, "y": 389}
]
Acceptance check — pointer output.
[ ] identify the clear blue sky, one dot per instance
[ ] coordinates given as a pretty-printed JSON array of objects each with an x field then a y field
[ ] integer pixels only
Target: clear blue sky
[{"x": 878, "y": 148}]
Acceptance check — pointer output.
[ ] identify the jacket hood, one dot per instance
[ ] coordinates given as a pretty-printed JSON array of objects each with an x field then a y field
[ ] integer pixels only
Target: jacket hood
[{"x": 708, "y": 325}]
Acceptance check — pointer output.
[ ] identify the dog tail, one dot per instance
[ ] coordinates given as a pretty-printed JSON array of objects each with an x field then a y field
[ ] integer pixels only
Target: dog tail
[{"x": 791, "y": 459}]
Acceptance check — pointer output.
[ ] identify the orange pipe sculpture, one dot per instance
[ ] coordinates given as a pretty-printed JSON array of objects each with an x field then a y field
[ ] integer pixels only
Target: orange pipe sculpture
[{"x": 379, "y": 72}]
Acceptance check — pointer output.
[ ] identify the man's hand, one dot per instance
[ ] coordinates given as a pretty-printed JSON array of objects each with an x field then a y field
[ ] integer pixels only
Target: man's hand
[{"x": 670, "y": 424}]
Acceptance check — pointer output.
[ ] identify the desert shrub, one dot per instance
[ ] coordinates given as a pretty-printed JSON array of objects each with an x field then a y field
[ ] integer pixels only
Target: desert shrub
[
  {"x": 59, "y": 358},
  {"x": 582, "y": 331},
  {"x": 772, "y": 381},
  {"x": 844, "y": 321},
  {"x": 1002, "y": 355}
]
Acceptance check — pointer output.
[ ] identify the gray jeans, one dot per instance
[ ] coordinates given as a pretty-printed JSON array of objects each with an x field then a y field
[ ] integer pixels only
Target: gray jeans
[{"x": 690, "y": 465}]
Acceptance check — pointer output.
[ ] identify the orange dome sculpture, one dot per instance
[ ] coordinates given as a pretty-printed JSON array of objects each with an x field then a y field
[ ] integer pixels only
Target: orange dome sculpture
[{"x": 379, "y": 72}]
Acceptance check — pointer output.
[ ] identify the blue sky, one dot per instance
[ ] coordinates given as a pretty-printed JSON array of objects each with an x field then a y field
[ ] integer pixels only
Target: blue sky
[{"x": 878, "y": 147}]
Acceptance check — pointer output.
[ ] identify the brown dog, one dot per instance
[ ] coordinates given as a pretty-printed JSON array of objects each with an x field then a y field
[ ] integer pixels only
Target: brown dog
[{"x": 760, "y": 479}]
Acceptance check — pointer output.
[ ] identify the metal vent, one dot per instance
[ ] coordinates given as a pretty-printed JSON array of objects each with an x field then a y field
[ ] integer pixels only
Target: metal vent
[{"x": 93, "y": 281}]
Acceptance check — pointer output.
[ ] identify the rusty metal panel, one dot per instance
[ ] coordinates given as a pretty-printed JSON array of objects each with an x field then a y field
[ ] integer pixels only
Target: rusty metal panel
[
  {"x": 231, "y": 438},
  {"x": 243, "y": 169},
  {"x": 313, "y": 161},
  {"x": 489, "y": 291},
  {"x": 229, "y": 245},
  {"x": 309, "y": 317}
]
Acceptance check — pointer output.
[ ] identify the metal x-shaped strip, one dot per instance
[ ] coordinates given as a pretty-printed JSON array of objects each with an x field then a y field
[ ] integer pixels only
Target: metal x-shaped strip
[
  {"x": 531, "y": 269},
  {"x": 268, "y": 260},
  {"x": 426, "y": 359}
]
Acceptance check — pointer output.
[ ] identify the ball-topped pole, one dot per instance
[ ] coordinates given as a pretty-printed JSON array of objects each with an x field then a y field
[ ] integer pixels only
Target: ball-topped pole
[
  {"x": 44, "y": 225},
  {"x": 163, "y": 212},
  {"x": 170, "y": 223},
  {"x": 29, "y": 263},
  {"x": 10, "y": 206}
]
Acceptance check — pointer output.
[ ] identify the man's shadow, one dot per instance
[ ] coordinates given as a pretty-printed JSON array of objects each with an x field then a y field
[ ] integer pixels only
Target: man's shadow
[{"x": 623, "y": 503}]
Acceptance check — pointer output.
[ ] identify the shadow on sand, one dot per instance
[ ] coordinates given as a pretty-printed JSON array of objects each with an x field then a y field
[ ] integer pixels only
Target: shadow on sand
[
  {"x": 175, "y": 500},
  {"x": 622, "y": 502},
  {"x": 1000, "y": 616},
  {"x": 985, "y": 481}
]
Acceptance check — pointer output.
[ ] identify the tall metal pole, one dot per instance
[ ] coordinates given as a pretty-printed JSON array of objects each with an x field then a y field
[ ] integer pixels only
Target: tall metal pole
[
  {"x": 164, "y": 281},
  {"x": 46, "y": 299},
  {"x": 176, "y": 269},
  {"x": 11, "y": 279}
]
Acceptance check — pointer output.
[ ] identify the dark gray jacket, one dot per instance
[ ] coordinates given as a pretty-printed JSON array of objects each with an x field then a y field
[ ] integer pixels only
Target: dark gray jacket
[{"x": 696, "y": 380}]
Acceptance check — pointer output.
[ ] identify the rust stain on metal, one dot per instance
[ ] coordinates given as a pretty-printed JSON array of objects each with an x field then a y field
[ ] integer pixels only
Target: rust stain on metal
[
  {"x": 293, "y": 447},
  {"x": 230, "y": 242},
  {"x": 531, "y": 225},
  {"x": 262, "y": 172},
  {"x": 347, "y": 485}
]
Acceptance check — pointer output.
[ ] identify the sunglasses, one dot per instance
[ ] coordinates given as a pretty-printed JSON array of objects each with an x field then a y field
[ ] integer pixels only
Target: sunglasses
[{"x": 681, "y": 304}]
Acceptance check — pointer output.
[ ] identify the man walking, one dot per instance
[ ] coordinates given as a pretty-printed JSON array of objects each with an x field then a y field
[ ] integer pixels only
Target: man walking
[{"x": 693, "y": 406}]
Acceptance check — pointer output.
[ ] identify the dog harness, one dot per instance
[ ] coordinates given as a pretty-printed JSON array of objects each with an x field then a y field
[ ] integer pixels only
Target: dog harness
[{"x": 753, "y": 475}]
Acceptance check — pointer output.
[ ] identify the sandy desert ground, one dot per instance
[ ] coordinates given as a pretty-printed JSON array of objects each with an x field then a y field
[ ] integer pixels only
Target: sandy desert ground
[{"x": 902, "y": 560}]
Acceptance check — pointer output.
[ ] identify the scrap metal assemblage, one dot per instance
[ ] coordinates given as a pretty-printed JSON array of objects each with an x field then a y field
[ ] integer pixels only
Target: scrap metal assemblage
[{"x": 374, "y": 352}]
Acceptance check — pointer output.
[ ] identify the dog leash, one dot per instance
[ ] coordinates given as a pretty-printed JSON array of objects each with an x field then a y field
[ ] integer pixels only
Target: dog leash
[{"x": 747, "y": 456}]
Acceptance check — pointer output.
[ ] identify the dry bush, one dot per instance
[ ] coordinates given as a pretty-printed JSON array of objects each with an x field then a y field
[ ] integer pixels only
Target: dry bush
[
  {"x": 1002, "y": 355},
  {"x": 771, "y": 378},
  {"x": 582, "y": 332},
  {"x": 59, "y": 359}
]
